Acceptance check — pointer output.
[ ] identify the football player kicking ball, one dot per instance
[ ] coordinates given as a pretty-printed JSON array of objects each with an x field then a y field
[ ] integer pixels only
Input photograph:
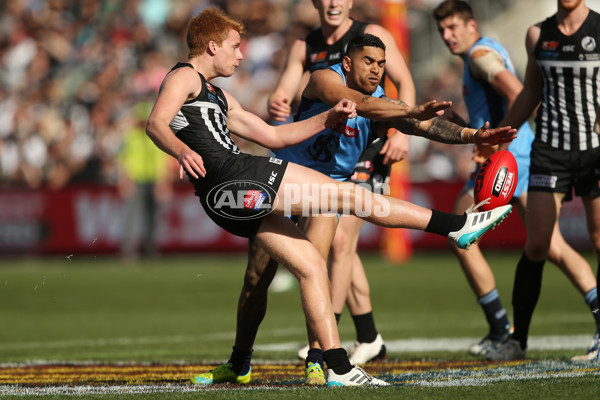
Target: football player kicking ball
[
  {"x": 491, "y": 88},
  {"x": 192, "y": 120},
  {"x": 356, "y": 78}
]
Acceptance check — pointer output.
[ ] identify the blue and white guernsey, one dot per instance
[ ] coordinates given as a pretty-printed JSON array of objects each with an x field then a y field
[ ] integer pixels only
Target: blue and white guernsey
[
  {"x": 334, "y": 151},
  {"x": 485, "y": 104}
]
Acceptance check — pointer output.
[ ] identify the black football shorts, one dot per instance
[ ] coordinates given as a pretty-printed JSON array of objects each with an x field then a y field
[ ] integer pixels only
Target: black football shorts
[
  {"x": 561, "y": 171},
  {"x": 243, "y": 192}
]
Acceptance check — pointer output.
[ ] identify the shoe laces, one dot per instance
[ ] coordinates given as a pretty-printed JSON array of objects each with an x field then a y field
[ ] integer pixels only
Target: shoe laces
[
  {"x": 473, "y": 208},
  {"x": 369, "y": 377}
]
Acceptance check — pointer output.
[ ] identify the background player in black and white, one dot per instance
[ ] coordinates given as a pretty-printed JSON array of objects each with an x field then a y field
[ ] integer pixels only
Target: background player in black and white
[{"x": 563, "y": 73}]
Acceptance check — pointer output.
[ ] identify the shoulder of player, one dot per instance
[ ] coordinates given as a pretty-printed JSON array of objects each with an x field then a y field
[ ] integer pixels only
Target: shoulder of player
[
  {"x": 186, "y": 74},
  {"x": 298, "y": 50},
  {"x": 533, "y": 35},
  {"x": 183, "y": 79},
  {"x": 321, "y": 82},
  {"x": 325, "y": 76},
  {"x": 377, "y": 30},
  {"x": 481, "y": 50}
]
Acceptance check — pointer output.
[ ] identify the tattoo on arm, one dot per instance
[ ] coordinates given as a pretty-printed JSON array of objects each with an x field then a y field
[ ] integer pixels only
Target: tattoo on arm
[
  {"x": 393, "y": 101},
  {"x": 439, "y": 130},
  {"x": 436, "y": 129},
  {"x": 444, "y": 131}
]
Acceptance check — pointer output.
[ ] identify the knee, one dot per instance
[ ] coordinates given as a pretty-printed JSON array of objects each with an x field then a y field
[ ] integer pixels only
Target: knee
[
  {"x": 538, "y": 250},
  {"x": 340, "y": 245},
  {"x": 312, "y": 268}
]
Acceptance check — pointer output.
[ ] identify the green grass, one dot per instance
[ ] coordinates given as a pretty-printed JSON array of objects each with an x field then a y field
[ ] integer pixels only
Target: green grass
[{"x": 176, "y": 309}]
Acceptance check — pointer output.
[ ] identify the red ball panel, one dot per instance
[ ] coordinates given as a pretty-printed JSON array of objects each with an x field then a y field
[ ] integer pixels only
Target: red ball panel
[{"x": 496, "y": 180}]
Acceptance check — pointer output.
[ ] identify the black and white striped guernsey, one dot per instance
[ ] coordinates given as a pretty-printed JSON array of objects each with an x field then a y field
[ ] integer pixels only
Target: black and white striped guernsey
[
  {"x": 570, "y": 67},
  {"x": 201, "y": 123}
]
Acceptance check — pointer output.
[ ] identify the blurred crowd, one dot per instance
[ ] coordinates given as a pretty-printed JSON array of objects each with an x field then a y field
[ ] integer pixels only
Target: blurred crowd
[{"x": 76, "y": 78}]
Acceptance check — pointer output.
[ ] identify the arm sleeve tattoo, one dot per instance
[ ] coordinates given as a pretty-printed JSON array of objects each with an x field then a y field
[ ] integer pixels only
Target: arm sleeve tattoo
[{"x": 435, "y": 129}]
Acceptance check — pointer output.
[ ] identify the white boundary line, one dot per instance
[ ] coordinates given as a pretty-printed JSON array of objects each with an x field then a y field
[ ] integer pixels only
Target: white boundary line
[{"x": 552, "y": 342}]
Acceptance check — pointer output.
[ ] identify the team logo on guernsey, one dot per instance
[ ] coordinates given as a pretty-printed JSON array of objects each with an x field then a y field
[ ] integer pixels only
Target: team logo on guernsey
[
  {"x": 588, "y": 43},
  {"x": 345, "y": 130},
  {"x": 551, "y": 45},
  {"x": 317, "y": 57},
  {"x": 212, "y": 93},
  {"x": 210, "y": 88}
]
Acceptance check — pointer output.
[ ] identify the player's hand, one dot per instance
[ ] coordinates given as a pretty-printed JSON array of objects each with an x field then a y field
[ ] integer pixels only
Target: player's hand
[
  {"x": 395, "y": 148},
  {"x": 429, "y": 110},
  {"x": 191, "y": 162},
  {"x": 279, "y": 110},
  {"x": 490, "y": 137},
  {"x": 482, "y": 153},
  {"x": 343, "y": 110}
]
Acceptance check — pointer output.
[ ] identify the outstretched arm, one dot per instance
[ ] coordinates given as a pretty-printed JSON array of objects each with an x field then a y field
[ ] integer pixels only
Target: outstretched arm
[
  {"x": 444, "y": 131},
  {"x": 251, "y": 127},
  {"x": 327, "y": 86}
]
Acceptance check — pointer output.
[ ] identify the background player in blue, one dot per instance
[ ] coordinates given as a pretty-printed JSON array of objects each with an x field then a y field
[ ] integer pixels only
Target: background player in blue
[
  {"x": 323, "y": 47},
  {"x": 490, "y": 87},
  {"x": 563, "y": 60}
]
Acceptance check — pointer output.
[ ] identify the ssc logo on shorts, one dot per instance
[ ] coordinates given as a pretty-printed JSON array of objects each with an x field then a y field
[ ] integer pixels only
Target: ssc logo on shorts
[{"x": 241, "y": 200}]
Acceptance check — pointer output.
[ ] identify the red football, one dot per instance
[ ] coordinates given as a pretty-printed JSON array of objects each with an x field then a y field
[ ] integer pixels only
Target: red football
[{"x": 496, "y": 179}]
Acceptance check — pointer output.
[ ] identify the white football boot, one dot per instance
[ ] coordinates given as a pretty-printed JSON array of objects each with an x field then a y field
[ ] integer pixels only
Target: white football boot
[{"x": 477, "y": 224}]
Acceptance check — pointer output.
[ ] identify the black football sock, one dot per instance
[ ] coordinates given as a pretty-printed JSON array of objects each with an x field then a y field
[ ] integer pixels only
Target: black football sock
[
  {"x": 495, "y": 313},
  {"x": 314, "y": 356},
  {"x": 365, "y": 328},
  {"x": 591, "y": 299},
  {"x": 240, "y": 361},
  {"x": 526, "y": 292},
  {"x": 443, "y": 223},
  {"x": 337, "y": 318},
  {"x": 337, "y": 360}
]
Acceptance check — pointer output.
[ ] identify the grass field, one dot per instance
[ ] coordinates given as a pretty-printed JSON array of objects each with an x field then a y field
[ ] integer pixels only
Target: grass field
[{"x": 93, "y": 327}]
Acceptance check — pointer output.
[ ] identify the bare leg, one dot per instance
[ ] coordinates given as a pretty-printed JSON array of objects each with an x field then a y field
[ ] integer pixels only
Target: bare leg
[
  {"x": 297, "y": 197},
  {"x": 343, "y": 265},
  {"x": 592, "y": 211},
  {"x": 359, "y": 295},
  {"x": 319, "y": 229},
  {"x": 252, "y": 303},
  {"x": 286, "y": 244}
]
